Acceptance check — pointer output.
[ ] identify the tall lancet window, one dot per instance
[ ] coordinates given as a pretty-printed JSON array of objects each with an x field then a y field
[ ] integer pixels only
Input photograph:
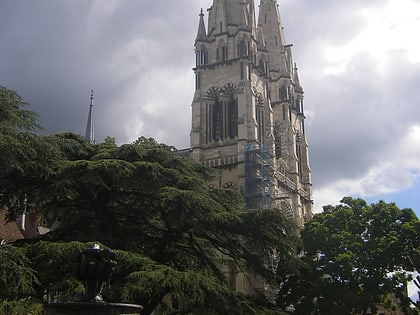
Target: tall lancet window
[
  {"x": 243, "y": 47},
  {"x": 201, "y": 56},
  {"x": 231, "y": 103},
  {"x": 217, "y": 123},
  {"x": 259, "y": 112},
  {"x": 299, "y": 155},
  {"x": 214, "y": 114},
  {"x": 222, "y": 113},
  {"x": 277, "y": 139},
  {"x": 222, "y": 51}
]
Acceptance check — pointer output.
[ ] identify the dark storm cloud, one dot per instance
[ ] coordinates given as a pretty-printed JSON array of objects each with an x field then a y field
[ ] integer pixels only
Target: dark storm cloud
[
  {"x": 44, "y": 59},
  {"x": 54, "y": 52}
]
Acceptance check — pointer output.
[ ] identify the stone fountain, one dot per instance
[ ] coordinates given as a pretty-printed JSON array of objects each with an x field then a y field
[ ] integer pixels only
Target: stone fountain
[{"x": 94, "y": 269}]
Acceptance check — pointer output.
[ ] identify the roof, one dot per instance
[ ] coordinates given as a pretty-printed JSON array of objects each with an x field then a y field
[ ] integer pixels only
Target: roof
[{"x": 9, "y": 231}]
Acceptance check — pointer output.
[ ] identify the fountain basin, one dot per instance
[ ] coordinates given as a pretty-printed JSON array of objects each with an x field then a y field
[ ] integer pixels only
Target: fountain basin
[{"x": 87, "y": 308}]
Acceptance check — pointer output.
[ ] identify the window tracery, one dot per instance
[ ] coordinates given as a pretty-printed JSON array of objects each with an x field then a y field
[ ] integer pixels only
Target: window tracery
[{"x": 222, "y": 112}]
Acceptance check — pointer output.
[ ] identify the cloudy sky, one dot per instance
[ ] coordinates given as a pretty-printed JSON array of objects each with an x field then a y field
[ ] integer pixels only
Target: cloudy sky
[{"x": 359, "y": 64}]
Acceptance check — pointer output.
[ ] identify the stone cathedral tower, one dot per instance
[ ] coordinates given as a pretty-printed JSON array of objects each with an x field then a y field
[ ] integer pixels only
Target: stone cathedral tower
[{"x": 247, "y": 110}]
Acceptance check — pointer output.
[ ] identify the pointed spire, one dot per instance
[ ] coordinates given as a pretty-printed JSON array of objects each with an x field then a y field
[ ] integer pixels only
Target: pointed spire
[
  {"x": 260, "y": 38},
  {"x": 89, "y": 134},
  {"x": 229, "y": 15},
  {"x": 201, "y": 33},
  {"x": 244, "y": 16},
  {"x": 269, "y": 24},
  {"x": 217, "y": 18},
  {"x": 296, "y": 82},
  {"x": 269, "y": 18},
  {"x": 247, "y": 18}
]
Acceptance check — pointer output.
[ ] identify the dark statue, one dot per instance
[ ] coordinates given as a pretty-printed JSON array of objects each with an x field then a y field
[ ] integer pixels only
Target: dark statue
[{"x": 94, "y": 269}]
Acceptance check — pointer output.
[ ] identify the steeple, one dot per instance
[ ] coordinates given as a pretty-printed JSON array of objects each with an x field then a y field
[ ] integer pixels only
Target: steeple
[
  {"x": 201, "y": 33},
  {"x": 296, "y": 82},
  {"x": 248, "y": 16},
  {"x": 230, "y": 16},
  {"x": 89, "y": 134},
  {"x": 269, "y": 23},
  {"x": 260, "y": 38},
  {"x": 247, "y": 118},
  {"x": 247, "y": 109}
]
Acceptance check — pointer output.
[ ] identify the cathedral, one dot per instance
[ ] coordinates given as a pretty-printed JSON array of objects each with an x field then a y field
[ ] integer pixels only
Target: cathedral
[{"x": 247, "y": 109}]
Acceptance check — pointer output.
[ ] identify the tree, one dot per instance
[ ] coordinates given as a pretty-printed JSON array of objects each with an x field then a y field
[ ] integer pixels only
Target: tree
[
  {"x": 144, "y": 199},
  {"x": 173, "y": 234},
  {"x": 18, "y": 279},
  {"x": 24, "y": 155},
  {"x": 355, "y": 256},
  {"x": 14, "y": 117},
  {"x": 16, "y": 127}
]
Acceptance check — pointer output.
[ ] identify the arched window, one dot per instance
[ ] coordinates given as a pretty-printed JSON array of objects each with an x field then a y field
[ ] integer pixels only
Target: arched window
[
  {"x": 222, "y": 113},
  {"x": 243, "y": 47},
  {"x": 229, "y": 92},
  {"x": 283, "y": 93},
  {"x": 201, "y": 56},
  {"x": 222, "y": 51},
  {"x": 260, "y": 117},
  {"x": 299, "y": 156},
  {"x": 277, "y": 144}
]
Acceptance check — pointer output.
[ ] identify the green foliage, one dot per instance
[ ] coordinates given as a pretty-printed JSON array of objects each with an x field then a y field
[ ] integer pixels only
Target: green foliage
[
  {"x": 356, "y": 255},
  {"x": 16, "y": 126},
  {"x": 173, "y": 235},
  {"x": 145, "y": 199},
  {"x": 145, "y": 281},
  {"x": 27, "y": 307},
  {"x": 140, "y": 280},
  {"x": 13, "y": 117},
  {"x": 136, "y": 279},
  {"x": 62, "y": 259},
  {"x": 26, "y": 157},
  {"x": 18, "y": 279}
]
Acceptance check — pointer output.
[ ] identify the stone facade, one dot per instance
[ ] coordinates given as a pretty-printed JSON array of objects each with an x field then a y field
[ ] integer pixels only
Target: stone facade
[{"x": 247, "y": 110}]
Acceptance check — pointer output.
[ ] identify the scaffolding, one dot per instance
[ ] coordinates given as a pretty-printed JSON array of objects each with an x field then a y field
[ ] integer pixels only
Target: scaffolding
[
  {"x": 259, "y": 176},
  {"x": 286, "y": 186}
]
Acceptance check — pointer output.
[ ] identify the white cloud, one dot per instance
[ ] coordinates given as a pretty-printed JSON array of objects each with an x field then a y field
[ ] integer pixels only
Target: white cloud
[
  {"x": 155, "y": 103},
  {"x": 396, "y": 169},
  {"x": 394, "y": 27}
]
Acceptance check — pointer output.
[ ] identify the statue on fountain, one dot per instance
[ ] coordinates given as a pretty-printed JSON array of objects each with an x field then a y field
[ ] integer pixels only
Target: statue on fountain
[{"x": 95, "y": 269}]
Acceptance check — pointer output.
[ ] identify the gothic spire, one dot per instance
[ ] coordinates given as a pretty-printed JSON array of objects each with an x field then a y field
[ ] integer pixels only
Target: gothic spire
[
  {"x": 296, "y": 82},
  {"x": 269, "y": 23},
  {"x": 248, "y": 15},
  {"x": 89, "y": 134},
  {"x": 244, "y": 16},
  {"x": 230, "y": 15},
  {"x": 260, "y": 38},
  {"x": 201, "y": 33}
]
